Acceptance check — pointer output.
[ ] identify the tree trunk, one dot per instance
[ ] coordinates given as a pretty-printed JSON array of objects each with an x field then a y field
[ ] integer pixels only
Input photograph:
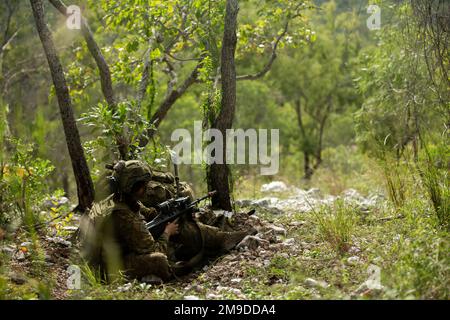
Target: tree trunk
[
  {"x": 307, "y": 169},
  {"x": 167, "y": 103},
  {"x": 323, "y": 122},
  {"x": 85, "y": 187},
  {"x": 122, "y": 141},
  {"x": 307, "y": 166},
  {"x": 218, "y": 174},
  {"x": 65, "y": 183}
]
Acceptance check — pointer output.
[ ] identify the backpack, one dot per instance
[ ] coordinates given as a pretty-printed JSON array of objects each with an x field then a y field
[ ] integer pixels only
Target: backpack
[{"x": 162, "y": 187}]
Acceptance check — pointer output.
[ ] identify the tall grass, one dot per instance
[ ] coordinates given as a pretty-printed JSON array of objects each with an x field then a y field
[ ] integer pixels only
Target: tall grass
[
  {"x": 336, "y": 224},
  {"x": 436, "y": 182}
]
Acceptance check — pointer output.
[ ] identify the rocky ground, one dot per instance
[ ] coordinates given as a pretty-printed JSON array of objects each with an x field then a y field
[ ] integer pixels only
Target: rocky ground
[
  {"x": 277, "y": 240},
  {"x": 285, "y": 259}
]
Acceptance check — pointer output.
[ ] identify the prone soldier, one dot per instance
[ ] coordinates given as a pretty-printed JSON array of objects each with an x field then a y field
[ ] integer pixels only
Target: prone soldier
[
  {"x": 115, "y": 238},
  {"x": 113, "y": 235},
  {"x": 195, "y": 241}
]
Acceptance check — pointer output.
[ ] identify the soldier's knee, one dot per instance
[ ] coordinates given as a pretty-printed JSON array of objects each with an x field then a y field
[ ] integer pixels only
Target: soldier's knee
[
  {"x": 149, "y": 264},
  {"x": 159, "y": 265},
  {"x": 158, "y": 258}
]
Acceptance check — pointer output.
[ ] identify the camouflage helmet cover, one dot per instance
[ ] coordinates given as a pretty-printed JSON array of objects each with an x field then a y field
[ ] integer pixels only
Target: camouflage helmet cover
[{"x": 127, "y": 173}]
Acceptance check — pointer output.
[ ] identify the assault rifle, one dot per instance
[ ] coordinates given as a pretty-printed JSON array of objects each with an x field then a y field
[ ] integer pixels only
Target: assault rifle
[{"x": 170, "y": 210}]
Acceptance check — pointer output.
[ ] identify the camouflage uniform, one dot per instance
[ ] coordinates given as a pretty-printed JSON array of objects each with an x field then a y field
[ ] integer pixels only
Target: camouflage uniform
[
  {"x": 114, "y": 237},
  {"x": 195, "y": 240}
]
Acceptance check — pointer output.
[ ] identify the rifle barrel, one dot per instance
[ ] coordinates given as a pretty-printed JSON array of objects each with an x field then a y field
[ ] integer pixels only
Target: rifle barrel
[{"x": 154, "y": 224}]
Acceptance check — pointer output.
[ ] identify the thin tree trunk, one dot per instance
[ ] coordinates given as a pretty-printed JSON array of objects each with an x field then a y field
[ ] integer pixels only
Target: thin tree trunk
[
  {"x": 298, "y": 110},
  {"x": 218, "y": 175},
  {"x": 307, "y": 169},
  {"x": 167, "y": 103},
  {"x": 65, "y": 183},
  {"x": 323, "y": 122},
  {"x": 85, "y": 187},
  {"x": 307, "y": 166},
  {"x": 103, "y": 68},
  {"x": 122, "y": 141}
]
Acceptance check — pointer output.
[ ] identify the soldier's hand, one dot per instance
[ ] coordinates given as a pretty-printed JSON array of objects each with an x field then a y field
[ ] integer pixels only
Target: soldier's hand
[{"x": 171, "y": 228}]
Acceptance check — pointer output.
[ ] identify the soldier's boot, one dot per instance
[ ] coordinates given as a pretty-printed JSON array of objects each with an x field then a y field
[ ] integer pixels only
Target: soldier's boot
[
  {"x": 217, "y": 240},
  {"x": 181, "y": 268}
]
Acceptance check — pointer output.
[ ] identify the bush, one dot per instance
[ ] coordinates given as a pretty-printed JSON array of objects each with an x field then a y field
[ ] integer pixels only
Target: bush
[
  {"x": 22, "y": 183},
  {"x": 419, "y": 255},
  {"x": 336, "y": 224},
  {"x": 436, "y": 180}
]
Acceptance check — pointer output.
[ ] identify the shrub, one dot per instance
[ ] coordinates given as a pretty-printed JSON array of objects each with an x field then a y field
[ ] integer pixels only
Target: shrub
[
  {"x": 336, "y": 224},
  {"x": 22, "y": 183}
]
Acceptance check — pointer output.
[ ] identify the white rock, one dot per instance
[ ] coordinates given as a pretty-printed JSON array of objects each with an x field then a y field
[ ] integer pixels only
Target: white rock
[
  {"x": 251, "y": 242},
  {"x": 278, "y": 230},
  {"x": 191, "y": 298},
  {"x": 236, "y": 280},
  {"x": 70, "y": 228},
  {"x": 354, "y": 250},
  {"x": 311, "y": 283},
  {"x": 20, "y": 256},
  {"x": 125, "y": 287},
  {"x": 8, "y": 250},
  {"x": 221, "y": 288},
  {"x": 314, "y": 193},
  {"x": 297, "y": 223},
  {"x": 352, "y": 194},
  {"x": 289, "y": 242},
  {"x": 236, "y": 291},
  {"x": 244, "y": 202},
  {"x": 265, "y": 202},
  {"x": 219, "y": 213},
  {"x": 213, "y": 296},
  {"x": 354, "y": 260},
  {"x": 63, "y": 200},
  {"x": 144, "y": 286},
  {"x": 59, "y": 240},
  {"x": 369, "y": 285},
  {"x": 274, "y": 186}
]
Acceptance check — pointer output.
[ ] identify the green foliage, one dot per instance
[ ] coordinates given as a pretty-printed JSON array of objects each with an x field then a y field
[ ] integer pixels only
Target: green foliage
[
  {"x": 385, "y": 90},
  {"x": 336, "y": 224},
  {"x": 415, "y": 254},
  {"x": 436, "y": 180},
  {"x": 259, "y": 29},
  {"x": 314, "y": 82},
  {"x": 405, "y": 112},
  {"x": 279, "y": 268},
  {"x": 23, "y": 183},
  {"x": 400, "y": 100},
  {"x": 110, "y": 127}
]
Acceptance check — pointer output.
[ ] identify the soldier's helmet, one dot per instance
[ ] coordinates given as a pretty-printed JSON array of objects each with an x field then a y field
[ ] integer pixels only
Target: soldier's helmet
[{"x": 127, "y": 173}]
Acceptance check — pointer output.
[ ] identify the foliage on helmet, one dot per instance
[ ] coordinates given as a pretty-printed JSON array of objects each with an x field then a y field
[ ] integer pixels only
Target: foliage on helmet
[{"x": 127, "y": 173}]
